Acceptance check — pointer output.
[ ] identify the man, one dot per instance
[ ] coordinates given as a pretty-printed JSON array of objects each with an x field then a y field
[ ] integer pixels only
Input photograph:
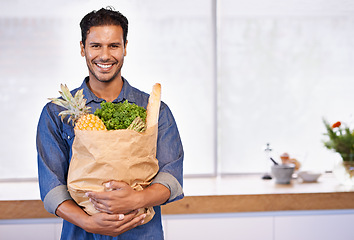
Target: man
[{"x": 104, "y": 46}]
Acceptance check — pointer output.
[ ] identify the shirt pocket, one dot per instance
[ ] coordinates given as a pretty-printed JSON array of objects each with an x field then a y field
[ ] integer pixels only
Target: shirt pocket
[{"x": 68, "y": 134}]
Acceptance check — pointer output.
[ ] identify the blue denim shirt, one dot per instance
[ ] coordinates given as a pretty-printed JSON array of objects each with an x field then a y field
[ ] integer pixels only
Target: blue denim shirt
[{"x": 54, "y": 142}]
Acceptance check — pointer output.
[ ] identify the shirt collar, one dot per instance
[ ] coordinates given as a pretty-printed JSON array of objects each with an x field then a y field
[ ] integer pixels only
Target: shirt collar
[{"x": 125, "y": 94}]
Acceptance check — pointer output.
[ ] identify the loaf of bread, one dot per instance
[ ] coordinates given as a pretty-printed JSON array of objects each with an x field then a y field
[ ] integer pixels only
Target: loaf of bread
[{"x": 153, "y": 107}]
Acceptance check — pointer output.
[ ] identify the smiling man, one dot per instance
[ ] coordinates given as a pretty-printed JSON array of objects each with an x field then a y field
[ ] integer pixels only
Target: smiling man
[
  {"x": 104, "y": 46},
  {"x": 104, "y": 51}
]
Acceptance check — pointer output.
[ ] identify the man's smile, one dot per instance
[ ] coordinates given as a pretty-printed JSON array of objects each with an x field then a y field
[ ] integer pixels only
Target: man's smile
[{"x": 104, "y": 66}]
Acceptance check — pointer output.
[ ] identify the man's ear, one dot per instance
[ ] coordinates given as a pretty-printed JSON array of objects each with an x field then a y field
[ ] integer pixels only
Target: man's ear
[
  {"x": 125, "y": 48},
  {"x": 82, "y": 49}
]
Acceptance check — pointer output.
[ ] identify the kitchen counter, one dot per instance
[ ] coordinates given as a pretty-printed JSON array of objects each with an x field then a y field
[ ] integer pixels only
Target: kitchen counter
[{"x": 228, "y": 194}]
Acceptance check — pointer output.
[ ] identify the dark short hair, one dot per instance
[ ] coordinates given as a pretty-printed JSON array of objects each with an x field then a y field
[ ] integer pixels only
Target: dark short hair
[{"x": 103, "y": 17}]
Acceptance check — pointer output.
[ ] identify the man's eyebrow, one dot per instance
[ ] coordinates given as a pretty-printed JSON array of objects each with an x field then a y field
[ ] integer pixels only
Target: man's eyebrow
[{"x": 114, "y": 43}]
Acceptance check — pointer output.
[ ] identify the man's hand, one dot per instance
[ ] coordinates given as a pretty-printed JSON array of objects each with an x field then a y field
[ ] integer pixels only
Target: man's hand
[
  {"x": 100, "y": 223},
  {"x": 113, "y": 224},
  {"x": 120, "y": 198}
]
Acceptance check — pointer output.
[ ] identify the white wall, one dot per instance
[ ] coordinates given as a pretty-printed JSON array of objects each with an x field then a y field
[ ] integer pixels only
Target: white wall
[
  {"x": 236, "y": 74},
  {"x": 168, "y": 42},
  {"x": 282, "y": 67}
]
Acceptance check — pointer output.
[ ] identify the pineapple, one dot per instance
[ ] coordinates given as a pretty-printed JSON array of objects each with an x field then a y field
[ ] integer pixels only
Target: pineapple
[{"x": 77, "y": 110}]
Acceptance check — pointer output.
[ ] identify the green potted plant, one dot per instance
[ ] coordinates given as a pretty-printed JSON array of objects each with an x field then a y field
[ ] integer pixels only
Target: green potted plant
[{"x": 341, "y": 140}]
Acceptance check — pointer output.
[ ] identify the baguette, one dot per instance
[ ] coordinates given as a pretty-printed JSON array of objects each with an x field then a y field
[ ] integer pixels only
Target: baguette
[{"x": 153, "y": 107}]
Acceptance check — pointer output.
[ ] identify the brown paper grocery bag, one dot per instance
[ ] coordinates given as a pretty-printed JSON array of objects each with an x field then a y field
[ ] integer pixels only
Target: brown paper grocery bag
[
  {"x": 101, "y": 156},
  {"x": 120, "y": 155}
]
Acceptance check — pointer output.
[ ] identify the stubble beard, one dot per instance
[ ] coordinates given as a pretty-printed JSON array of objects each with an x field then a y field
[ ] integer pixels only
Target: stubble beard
[{"x": 90, "y": 67}]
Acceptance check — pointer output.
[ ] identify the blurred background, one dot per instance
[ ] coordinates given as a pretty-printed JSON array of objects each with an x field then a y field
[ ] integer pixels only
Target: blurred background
[{"x": 236, "y": 74}]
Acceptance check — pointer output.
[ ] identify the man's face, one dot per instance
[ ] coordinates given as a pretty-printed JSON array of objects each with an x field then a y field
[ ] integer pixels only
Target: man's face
[{"x": 104, "y": 52}]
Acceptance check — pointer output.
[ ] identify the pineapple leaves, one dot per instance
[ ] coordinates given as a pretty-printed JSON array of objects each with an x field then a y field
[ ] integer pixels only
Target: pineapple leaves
[
  {"x": 66, "y": 113},
  {"x": 75, "y": 106}
]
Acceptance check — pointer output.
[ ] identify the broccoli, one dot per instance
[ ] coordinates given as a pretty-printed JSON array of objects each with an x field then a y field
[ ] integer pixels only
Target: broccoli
[{"x": 121, "y": 115}]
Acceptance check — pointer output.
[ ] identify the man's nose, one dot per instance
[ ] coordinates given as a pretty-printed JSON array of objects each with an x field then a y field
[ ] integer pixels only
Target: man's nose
[{"x": 105, "y": 54}]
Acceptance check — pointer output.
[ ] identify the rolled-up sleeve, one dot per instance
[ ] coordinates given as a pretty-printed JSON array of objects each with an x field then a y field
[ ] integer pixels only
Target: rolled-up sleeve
[
  {"x": 53, "y": 158},
  {"x": 170, "y": 155}
]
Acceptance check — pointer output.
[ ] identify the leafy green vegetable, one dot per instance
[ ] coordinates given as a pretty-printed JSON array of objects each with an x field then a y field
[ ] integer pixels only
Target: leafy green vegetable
[
  {"x": 119, "y": 115},
  {"x": 341, "y": 140}
]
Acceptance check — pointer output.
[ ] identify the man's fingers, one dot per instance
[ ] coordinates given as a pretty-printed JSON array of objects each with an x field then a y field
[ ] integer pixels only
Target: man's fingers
[
  {"x": 98, "y": 195},
  {"x": 114, "y": 185},
  {"x": 119, "y": 219},
  {"x": 122, "y": 217},
  {"x": 100, "y": 206},
  {"x": 115, "y": 217},
  {"x": 131, "y": 222}
]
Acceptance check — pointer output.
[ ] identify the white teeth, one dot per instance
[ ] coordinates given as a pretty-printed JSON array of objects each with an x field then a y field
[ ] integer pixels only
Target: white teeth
[{"x": 104, "y": 66}]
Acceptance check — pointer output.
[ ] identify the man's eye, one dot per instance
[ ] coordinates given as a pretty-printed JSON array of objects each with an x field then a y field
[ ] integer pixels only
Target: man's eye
[
  {"x": 114, "y": 46},
  {"x": 95, "y": 46}
]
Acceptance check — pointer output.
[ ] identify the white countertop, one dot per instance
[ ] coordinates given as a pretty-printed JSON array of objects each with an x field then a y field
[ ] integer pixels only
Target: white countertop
[{"x": 226, "y": 185}]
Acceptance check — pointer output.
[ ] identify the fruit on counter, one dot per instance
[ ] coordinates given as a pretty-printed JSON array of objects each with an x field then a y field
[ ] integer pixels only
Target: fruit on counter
[
  {"x": 77, "y": 111},
  {"x": 285, "y": 159}
]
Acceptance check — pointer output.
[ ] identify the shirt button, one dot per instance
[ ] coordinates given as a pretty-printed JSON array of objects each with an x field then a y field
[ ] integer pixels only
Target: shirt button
[{"x": 69, "y": 137}]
